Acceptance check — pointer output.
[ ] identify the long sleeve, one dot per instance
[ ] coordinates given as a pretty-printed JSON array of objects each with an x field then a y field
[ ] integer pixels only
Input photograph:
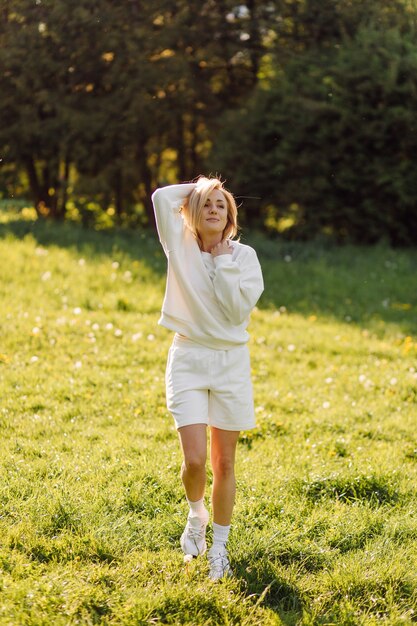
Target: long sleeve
[
  {"x": 209, "y": 305},
  {"x": 237, "y": 285},
  {"x": 167, "y": 202}
]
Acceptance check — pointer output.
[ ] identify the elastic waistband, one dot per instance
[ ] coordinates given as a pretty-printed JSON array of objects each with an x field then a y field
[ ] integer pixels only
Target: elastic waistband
[
  {"x": 184, "y": 342},
  {"x": 180, "y": 341}
]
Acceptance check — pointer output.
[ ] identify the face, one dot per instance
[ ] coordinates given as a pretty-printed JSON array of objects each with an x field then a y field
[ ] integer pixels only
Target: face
[{"x": 213, "y": 219}]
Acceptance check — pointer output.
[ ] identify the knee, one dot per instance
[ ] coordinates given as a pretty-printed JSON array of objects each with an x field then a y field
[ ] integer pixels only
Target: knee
[
  {"x": 194, "y": 464},
  {"x": 223, "y": 467}
]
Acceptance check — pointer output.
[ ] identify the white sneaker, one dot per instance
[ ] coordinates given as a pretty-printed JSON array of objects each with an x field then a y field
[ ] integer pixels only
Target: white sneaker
[
  {"x": 193, "y": 539},
  {"x": 219, "y": 564}
]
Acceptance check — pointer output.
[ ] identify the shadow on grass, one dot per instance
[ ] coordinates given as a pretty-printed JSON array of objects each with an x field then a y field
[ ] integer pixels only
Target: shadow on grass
[
  {"x": 140, "y": 245},
  {"x": 182, "y": 609},
  {"x": 260, "y": 580},
  {"x": 353, "y": 284},
  {"x": 368, "y": 286},
  {"x": 372, "y": 490}
]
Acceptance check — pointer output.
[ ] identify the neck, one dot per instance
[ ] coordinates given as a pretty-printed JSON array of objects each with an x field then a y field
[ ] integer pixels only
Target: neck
[{"x": 208, "y": 243}]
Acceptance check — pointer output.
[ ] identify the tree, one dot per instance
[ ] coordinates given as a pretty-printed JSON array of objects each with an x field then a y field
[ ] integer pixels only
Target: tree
[
  {"x": 330, "y": 144},
  {"x": 110, "y": 89}
]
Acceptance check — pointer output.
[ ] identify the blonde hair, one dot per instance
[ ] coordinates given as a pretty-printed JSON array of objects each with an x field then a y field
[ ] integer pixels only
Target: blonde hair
[{"x": 194, "y": 203}]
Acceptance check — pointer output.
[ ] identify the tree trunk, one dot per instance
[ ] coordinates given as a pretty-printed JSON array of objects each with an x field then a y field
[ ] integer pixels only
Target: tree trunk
[
  {"x": 45, "y": 204},
  {"x": 146, "y": 179},
  {"x": 118, "y": 193},
  {"x": 33, "y": 182},
  {"x": 255, "y": 41},
  {"x": 52, "y": 182},
  {"x": 194, "y": 159},
  {"x": 64, "y": 185},
  {"x": 181, "y": 148}
]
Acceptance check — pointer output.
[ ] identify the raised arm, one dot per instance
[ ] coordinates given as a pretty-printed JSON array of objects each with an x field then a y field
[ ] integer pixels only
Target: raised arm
[{"x": 166, "y": 203}]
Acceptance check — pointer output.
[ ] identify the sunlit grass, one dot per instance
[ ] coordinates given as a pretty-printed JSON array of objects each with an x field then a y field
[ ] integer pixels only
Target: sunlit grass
[{"x": 91, "y": 506}]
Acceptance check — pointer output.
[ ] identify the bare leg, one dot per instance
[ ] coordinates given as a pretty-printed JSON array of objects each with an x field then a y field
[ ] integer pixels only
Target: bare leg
[
  {"x": 193, "y": 440},
  {"x": 223, "y": 452}
]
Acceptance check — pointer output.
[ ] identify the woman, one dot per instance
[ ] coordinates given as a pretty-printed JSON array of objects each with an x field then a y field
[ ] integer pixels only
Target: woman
[{"x": 213, "y": 283}]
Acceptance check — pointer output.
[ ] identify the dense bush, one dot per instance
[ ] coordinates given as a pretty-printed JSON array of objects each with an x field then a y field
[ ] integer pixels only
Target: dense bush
[{"x": 331, "y": 145}]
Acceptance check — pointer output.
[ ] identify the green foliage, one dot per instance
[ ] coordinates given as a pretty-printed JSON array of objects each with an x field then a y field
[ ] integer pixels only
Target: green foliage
[
  {"x": 329, "y": 146},
  {"x": 115, "y": 97},
  {"x": 306, "y": 108},
  {"x": 91, "y": 503}
]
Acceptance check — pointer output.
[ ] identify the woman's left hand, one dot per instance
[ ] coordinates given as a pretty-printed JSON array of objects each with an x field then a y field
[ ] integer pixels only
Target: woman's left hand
[{"x": 223, "y": 247}]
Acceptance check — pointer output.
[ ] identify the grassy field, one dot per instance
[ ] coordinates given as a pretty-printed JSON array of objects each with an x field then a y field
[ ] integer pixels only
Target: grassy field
[{"x": 91, "y": 505}]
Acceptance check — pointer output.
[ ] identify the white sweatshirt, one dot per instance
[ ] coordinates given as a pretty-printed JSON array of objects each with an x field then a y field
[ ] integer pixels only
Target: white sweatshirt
[{"x": 207, "y": 299}]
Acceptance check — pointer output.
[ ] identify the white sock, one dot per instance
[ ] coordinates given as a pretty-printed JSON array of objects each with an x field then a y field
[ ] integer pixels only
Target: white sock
[
  {"x": 197, "y": 508},
  {"x": 220, "y": 536}
]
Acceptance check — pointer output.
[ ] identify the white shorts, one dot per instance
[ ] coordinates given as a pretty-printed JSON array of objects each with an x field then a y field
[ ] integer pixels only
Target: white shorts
[{"x": 208, "y": 386}]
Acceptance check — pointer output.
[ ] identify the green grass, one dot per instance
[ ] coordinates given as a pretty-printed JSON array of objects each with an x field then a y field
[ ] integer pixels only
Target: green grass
[{"x": 91, "y": 505}]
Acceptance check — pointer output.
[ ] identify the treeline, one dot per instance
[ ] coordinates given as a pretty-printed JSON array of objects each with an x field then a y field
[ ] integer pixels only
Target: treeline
[{"x": 309, "y": 109}]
